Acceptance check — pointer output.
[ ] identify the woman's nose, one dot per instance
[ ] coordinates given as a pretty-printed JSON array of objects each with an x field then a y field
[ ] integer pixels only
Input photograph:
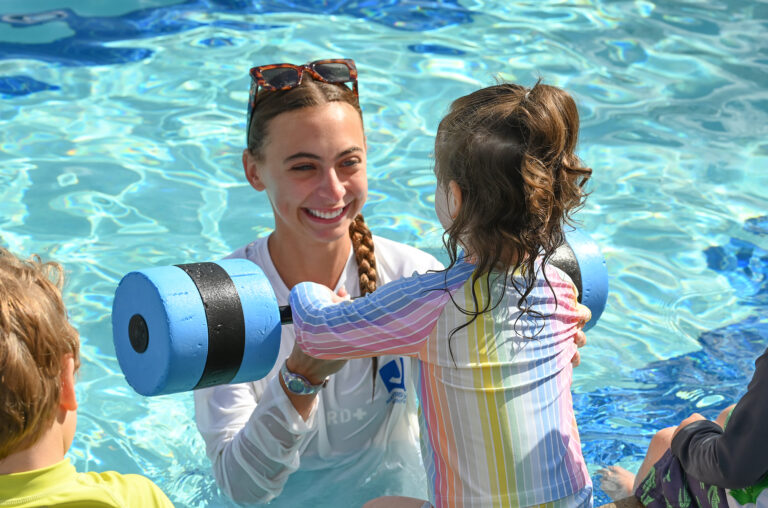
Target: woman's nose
[{"x": 331, "y": 186}]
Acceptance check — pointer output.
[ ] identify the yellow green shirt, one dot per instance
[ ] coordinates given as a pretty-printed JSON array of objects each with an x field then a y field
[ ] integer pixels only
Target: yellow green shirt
[{"x": 61, "y": 484}]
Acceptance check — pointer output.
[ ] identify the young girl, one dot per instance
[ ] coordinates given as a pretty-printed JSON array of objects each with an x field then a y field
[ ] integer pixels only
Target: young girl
[{"x": 493, "y": 332}]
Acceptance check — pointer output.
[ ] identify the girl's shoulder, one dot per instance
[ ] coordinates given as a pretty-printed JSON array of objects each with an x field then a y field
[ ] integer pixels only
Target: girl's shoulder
[{"x": 395, "y": 260}]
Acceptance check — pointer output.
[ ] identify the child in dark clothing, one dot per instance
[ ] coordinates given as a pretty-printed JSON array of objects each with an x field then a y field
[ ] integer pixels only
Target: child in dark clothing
[{"x": 704, "y": 463}]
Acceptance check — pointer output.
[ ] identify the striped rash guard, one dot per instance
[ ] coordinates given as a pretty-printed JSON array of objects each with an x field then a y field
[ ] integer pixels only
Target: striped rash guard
[{"x": 496, "y": 415}]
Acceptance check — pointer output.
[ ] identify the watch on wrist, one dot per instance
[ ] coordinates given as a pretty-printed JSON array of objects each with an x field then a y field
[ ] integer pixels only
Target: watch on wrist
[{"x": 298, "y": 384}]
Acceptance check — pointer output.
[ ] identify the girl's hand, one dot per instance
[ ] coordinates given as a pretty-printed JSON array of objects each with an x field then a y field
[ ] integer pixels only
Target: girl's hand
[
  {"x": 341, "y": 296},
  {"x": 314, "y": 369},
  {"x": 579, "y": 337}
]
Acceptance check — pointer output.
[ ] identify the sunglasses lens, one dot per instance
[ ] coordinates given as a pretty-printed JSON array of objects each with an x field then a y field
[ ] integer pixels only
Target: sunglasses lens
[
  {"x": 281, "y": 77},
  {"x": 333, "y": 72}
]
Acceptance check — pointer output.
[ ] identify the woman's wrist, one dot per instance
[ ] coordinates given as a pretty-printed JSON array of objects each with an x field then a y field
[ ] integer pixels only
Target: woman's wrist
[
  {"x": 303, "y": 404},
  {"x": 314, "y": 378}
]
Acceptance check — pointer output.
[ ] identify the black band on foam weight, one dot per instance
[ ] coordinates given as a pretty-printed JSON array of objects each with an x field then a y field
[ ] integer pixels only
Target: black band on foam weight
[
  {"x": 226, "y": 324},
  {"x": 565, "y": 259}
]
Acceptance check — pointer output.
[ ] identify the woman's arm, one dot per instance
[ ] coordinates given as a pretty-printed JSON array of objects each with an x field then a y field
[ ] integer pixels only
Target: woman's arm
[
  {"x": 253, "y": 437},
  {"x": 736, "y": 457}
]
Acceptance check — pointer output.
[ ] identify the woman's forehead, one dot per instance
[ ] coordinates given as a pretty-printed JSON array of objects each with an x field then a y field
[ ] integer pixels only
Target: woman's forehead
[{"x": 325, "y": 130}]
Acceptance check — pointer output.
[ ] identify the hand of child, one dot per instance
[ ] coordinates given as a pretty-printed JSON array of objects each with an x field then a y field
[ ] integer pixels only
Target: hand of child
[
  {"x": 579, "y": 337},
  {"x": 314, "y": 369},
  {"x": 340, "y": 296},
  {"x": 693, "y": 418}
]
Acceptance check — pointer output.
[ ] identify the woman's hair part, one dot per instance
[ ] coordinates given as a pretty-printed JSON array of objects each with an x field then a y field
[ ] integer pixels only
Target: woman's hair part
[{"x": 271, "y": 103}]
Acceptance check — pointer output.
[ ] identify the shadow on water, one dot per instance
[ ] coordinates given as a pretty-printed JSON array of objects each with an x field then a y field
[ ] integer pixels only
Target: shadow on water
[{"x": 616, "y": 423}]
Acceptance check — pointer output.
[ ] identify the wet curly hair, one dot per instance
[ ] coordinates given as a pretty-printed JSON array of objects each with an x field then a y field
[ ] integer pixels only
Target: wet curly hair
[{"x": 510, "y": 150}]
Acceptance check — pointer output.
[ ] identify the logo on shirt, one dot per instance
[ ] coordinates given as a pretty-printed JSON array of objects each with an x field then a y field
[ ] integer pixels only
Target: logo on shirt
[{"x": 393, "y": 376}]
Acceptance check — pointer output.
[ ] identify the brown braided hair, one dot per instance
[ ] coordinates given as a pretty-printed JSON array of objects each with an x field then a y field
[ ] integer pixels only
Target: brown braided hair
[{"x": 362, "y": 244}]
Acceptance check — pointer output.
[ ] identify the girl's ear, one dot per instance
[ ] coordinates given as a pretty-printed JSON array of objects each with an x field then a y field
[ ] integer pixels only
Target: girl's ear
[
  {"x": 250, "y": 167},
  {"x": 455, "y": 192}
]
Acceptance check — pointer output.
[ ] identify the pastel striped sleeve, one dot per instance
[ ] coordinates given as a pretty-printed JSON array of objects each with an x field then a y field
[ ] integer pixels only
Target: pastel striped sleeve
[{"x": 395, "y": 319}]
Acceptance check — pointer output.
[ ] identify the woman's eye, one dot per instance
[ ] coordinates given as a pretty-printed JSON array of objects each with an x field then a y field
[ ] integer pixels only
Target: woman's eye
[{"x": 351, "y": 162}]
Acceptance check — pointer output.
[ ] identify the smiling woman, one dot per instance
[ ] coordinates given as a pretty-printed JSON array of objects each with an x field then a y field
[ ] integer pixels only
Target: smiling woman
[
  {"x": 312, "y": 422},
  {"x": 314, "y": 171}
]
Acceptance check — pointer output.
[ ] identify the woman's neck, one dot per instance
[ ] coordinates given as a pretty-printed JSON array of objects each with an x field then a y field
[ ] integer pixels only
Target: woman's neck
[{"x": 306, "y": 261}]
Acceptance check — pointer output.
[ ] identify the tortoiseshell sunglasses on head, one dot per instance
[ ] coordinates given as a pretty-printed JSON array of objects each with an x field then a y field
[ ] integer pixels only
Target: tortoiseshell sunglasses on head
[{"x": 284, "y": 76}]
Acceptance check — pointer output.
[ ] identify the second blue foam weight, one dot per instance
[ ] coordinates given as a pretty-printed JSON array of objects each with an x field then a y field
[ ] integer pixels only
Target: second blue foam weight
[{"x": 594, "y": 275}]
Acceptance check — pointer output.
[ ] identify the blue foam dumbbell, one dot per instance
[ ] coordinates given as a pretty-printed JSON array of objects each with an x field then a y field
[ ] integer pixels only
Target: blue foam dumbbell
[
  {"x": 581, "y": 259},
  {"x": 178, "y": 328},
  {"x": 183, "y": 327}
]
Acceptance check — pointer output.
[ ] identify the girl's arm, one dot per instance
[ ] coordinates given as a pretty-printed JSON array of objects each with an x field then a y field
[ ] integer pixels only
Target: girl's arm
[
  {"x": 395, "y": 319},
  {"x": 736, "y": 457}
]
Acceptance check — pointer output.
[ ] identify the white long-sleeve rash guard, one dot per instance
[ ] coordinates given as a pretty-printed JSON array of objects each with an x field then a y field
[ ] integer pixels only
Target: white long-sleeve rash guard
[{"x": 261, "y": 448}]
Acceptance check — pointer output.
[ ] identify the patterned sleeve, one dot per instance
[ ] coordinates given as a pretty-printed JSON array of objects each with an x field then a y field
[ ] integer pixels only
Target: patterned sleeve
[{"x": 395, "y": 319}]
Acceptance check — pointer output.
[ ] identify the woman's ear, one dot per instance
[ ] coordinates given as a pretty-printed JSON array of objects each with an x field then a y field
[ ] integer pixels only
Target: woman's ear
[
  {"x": 455, "y": 197},
  {"x": 250, "y": 167},
  {"x": 68, "y": 398}
]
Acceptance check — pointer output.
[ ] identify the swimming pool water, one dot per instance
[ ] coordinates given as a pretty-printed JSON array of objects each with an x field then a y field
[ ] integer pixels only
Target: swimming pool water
[{"x": 121, "y": 128}]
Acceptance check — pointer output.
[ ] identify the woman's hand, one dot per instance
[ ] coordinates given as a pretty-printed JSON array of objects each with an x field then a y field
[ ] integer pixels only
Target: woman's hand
[
  {"x": 314, "y": 369},
  {"x": 579, "y": 337}
]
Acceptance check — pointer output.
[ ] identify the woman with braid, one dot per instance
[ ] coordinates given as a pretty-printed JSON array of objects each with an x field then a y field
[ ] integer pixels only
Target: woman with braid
[{"x": 313, "y": 423}]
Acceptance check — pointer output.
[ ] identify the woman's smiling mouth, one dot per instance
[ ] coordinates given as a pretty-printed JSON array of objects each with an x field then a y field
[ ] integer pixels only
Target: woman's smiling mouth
[{"x": 326, "y": 215}]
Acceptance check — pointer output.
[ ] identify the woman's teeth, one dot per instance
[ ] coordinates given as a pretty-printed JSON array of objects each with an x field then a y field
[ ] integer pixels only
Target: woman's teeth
[{"x": 325, "y": 215}]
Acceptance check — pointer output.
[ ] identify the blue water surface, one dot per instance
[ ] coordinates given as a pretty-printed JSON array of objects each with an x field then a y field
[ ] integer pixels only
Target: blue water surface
[{"x": 121, "y": 129}]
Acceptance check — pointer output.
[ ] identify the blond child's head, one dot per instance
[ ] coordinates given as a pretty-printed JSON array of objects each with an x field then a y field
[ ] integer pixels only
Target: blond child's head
[{"x": 35, "y": 337}]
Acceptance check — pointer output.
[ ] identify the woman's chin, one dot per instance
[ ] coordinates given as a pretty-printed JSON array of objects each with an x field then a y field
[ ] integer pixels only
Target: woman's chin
[{"x": 325, "y": 231}]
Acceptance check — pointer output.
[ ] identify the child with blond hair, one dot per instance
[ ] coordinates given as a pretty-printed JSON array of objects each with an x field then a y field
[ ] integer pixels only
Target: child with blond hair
[{"x": 39, "y": 356}]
